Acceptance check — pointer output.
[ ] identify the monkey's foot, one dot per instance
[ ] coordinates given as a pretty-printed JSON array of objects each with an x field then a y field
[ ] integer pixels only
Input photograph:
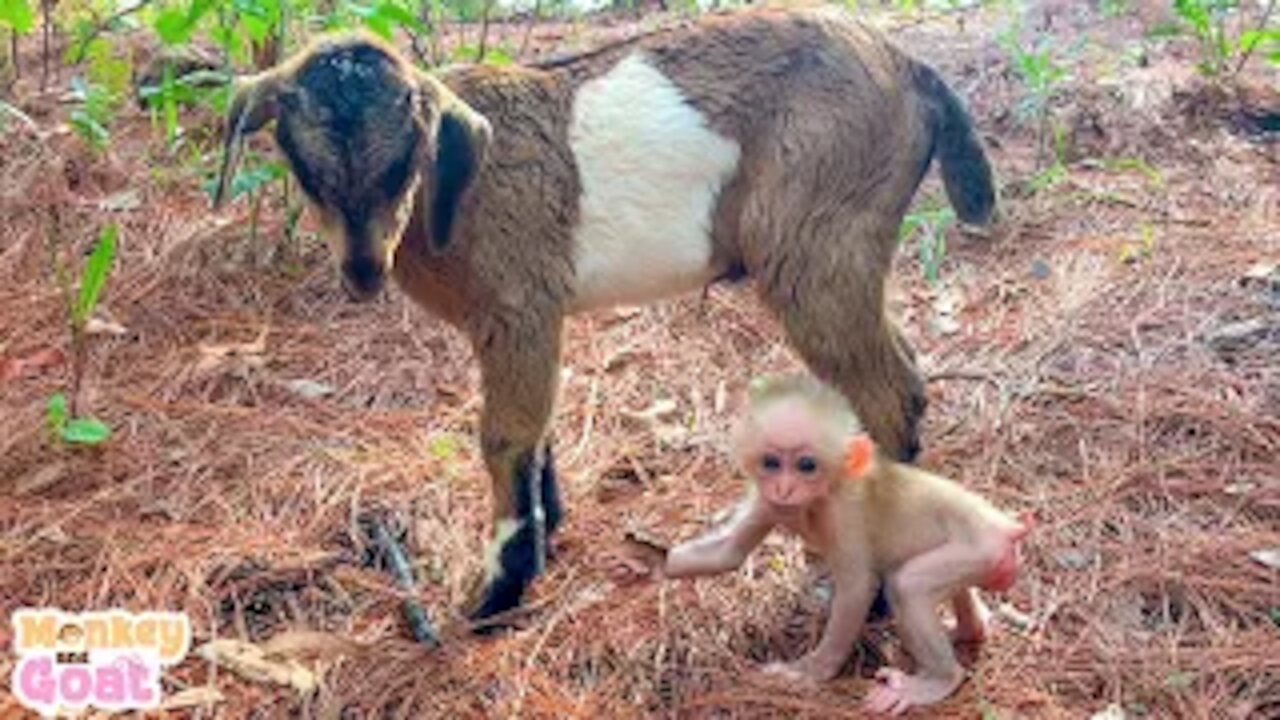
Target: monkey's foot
[{"x": 896, "y": 692}]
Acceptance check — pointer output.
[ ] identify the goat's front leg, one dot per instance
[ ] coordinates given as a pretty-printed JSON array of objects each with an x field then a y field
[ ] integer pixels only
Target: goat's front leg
[{"x": 520, "y": 362}]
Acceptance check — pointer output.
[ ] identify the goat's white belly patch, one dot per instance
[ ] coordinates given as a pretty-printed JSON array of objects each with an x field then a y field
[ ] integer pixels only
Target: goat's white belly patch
[{"x": 651, "y": 171}]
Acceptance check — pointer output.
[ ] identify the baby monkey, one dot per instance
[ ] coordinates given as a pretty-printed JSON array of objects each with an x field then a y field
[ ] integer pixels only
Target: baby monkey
[{"x": 816, "y": 473}]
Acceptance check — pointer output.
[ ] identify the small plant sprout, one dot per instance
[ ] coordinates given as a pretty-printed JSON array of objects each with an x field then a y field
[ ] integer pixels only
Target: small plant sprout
[
  {"x": 929, "y": 225},
  {"x": 60, "y": 413},
  {"x": 1224, "y": 35},
  {"x": 1133, "y": 252}
]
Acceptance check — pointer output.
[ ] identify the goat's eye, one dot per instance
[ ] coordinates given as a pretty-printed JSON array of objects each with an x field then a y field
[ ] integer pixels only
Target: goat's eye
[
  {"x": 771, "y": 463},
  {"x": 806, "y": 465}
]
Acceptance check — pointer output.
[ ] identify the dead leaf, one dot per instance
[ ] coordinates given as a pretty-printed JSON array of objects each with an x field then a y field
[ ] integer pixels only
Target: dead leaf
[
  {"x": 944, "y": 325},
  {"x": 121, "y": 201},
  {"x": 945, "y": 306},
  {"x": 310, "y": 645},
  {"x": 252, "y": 663},
  {"x": 1269, "y": 557},
  {"x": 621, "y": 358},
  {"x": 309, "y": 389},
  {"x": 656, "y": 411},
  {"x": 245, "y": 355},
  {"x": 39, "y": 479},
  {"x": 1014, "y": 617},
  {"x": 15, "y": 368},
  {"x": 1111, "y": 712},
  {"x": 1262, "y": 271},
  {"x": 98, "y": 326},
  {"x": 201, "y": 695}
]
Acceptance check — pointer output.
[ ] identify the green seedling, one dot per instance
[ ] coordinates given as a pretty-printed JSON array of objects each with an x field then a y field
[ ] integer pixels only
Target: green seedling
[
  {"x": 1225, "y": 37},
  {"x": 929, "y": 226},
  {"x": 1144, "y": 248},
  {"x": 60, "y": 415}
]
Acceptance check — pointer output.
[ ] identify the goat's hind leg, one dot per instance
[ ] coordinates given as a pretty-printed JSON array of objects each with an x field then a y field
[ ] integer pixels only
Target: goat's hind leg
[
  {"x": 552, "y": 506},
  {"x": 826, "y": 285}
]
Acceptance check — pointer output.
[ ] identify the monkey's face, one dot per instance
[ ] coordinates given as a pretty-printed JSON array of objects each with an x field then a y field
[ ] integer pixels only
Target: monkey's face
[
  {"x": 792, "y": 463},
  {"x": 349, "y": 128},
  {"x": 792, "y": 478}
]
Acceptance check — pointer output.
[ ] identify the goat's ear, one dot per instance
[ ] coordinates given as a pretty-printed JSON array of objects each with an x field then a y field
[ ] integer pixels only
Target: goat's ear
[
  {"x": 462, "y": 138},
  {"x": 255, "y": 102}
]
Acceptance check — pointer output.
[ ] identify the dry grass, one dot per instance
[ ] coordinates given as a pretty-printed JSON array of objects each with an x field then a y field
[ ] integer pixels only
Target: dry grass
[{"x": 1087, "y": 394}]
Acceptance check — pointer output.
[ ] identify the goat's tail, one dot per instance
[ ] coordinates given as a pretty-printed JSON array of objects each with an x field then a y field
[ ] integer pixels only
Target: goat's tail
[{"x": 966, "y": 172}]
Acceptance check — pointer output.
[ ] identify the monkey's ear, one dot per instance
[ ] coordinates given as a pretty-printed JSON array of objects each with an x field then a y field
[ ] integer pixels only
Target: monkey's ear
[
  {"x": 462, "y": 138},
  {"x": 256, "y": 102},
  {"x": 859, "y": 456}
]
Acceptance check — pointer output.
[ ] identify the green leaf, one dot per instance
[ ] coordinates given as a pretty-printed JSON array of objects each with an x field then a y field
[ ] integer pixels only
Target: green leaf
[
  {"x": 176, "y": 25},
  {"x": 170, "y": 25},
  {"x": 107, "y": 69},
  {"x": 17, "y": 14},
  {"x": 248, "y": 180},
  {"x": 55, "y": 413},
  {"x": 94, "y": 275},
  {"x": 443, "y": 446},
  {"x": 379, "y": 25},
  {"x": 464, "y": 53},
  {"x": 1251, "y": 39},
  {"x": 400, "y": 15},
  {"x": 86, "y": 431},
  {"x": 89, "y": 128},
  {"x": 386, "y": 16},
  {"x": 498, "y": 56}
]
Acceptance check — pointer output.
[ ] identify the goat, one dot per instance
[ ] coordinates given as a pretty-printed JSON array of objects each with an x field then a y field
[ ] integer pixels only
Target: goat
[{"x": 781, "y": 146}]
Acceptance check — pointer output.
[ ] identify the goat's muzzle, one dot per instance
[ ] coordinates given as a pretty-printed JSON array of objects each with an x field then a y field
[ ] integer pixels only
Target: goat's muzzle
[{"x": 362, "y": 278}]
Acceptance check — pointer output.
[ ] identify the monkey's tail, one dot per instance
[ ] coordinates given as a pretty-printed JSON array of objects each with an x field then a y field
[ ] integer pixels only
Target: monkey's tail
[{"x": 966, "y": 172}]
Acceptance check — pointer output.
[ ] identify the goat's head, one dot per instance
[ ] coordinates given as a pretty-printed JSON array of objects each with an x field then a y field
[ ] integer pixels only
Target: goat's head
[{"x": 365, "y": 134}]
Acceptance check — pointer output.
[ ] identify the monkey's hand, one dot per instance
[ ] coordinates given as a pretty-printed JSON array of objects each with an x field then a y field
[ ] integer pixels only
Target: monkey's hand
[{"x": 641, "y": 558}]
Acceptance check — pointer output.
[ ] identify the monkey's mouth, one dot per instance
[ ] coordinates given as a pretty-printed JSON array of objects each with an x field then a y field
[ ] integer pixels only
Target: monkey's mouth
[
  {"x": 790, "y": 505},
  {"x": 362, "y": 278}
]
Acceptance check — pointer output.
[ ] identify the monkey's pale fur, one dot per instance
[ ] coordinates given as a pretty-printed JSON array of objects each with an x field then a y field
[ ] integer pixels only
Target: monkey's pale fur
[
  {"x": 808, "y": 134},
  {"x": 814, "y": 473}
]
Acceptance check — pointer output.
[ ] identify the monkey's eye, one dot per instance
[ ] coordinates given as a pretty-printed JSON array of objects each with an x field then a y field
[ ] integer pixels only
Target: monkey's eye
[
  {"x": 771, "y": 463},
  {"x": 806, "y": 465}
]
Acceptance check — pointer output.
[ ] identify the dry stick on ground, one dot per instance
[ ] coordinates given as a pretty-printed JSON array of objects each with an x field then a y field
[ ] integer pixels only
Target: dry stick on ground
[{"x": 400, "y": 568}]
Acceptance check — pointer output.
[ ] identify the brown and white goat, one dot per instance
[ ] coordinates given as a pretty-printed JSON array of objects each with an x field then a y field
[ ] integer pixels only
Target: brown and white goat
[{"x": 777, "y": 145}]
